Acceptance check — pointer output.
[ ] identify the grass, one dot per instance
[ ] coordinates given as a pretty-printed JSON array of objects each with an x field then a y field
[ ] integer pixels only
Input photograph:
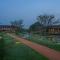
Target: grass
[
  {"x": 18, "y": 51},
  {"x": 44, "y": 40}
]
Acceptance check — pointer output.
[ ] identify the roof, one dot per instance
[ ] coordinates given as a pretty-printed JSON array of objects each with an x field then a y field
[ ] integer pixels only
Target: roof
[
  {"x": 7, "y": 26},
  {"x": 54, "y": 26}
]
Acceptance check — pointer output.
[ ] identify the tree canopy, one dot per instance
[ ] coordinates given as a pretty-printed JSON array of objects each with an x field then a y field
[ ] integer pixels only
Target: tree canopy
[
  {"x": 45, "y": 19},
  {"x": 42, "y": 21},
  {"x": 18, "y": 24}
]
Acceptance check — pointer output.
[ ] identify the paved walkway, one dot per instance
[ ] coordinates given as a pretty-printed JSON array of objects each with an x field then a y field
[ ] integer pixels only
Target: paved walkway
[{"x": 47, "y": 52}]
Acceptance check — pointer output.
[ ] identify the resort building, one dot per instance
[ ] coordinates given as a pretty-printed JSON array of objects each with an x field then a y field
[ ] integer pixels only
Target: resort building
[
  {"x": 54, "y": 29},
  {"x": 7, "y": 28}
]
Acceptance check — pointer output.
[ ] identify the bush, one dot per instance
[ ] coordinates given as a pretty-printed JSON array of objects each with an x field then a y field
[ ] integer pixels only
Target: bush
[{"x": 2, "y": 49}]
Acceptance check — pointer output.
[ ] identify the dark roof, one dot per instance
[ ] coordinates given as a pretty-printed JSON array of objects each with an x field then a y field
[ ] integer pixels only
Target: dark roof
[
  {"x": 7, "y": 26},
  {"x": 54, "y": 26}
]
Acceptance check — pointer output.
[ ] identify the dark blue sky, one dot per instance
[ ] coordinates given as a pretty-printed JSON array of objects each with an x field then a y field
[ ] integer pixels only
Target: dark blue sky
[{"x": 27, "y": 10}]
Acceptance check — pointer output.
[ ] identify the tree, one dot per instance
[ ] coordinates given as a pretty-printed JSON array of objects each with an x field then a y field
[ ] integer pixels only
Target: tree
[
  {"x": 35, "y": 26},
  {"x": 41, "y": 26},
  {"x": 45, "y": 19},
  {"x": 18, "y": 24}
]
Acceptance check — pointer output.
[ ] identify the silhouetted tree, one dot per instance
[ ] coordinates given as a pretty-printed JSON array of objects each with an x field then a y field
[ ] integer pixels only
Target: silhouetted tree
[
  {"x": 35, "y": 26},
  {"x": 18, "y": 24},
  {"x": 45, "y": 19}
]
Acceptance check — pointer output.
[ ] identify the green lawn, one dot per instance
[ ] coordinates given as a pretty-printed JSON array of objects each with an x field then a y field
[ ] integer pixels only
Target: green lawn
[{"x": 18, "y": 51}]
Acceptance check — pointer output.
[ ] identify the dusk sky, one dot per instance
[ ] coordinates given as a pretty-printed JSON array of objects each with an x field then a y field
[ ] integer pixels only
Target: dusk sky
[{"x": 27, "y": 10}]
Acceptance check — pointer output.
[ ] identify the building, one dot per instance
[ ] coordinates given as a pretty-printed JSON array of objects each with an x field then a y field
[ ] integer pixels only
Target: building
[
  {"x": 37, "y": 28},
  {"x": 7, "y": 28},
  {"x": 54, "y": 29}
]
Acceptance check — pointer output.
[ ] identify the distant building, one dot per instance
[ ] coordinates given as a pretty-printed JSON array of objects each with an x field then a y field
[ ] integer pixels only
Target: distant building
[
  {"x": 37, "y": 28},
  {"x": 54, "y": 29},
  {"x": 7, "y": 28}
]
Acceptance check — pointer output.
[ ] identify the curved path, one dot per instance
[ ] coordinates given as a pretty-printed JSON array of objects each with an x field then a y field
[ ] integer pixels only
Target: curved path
[{"x": 47, "y": 52}]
